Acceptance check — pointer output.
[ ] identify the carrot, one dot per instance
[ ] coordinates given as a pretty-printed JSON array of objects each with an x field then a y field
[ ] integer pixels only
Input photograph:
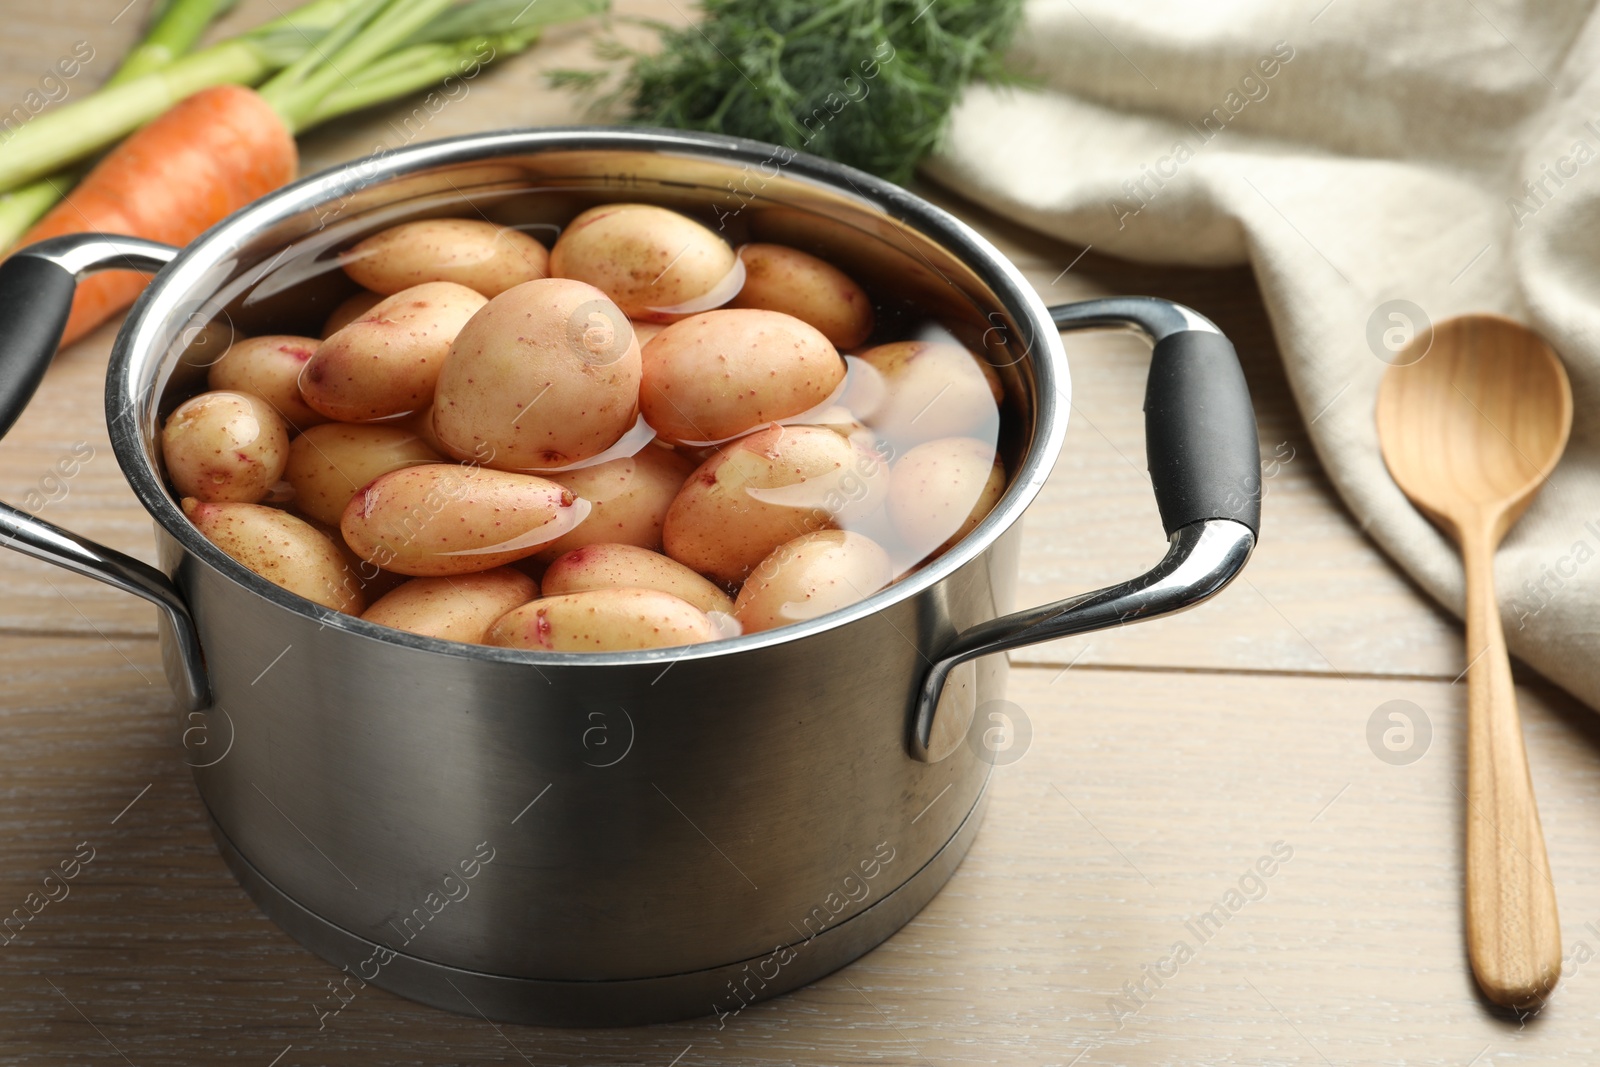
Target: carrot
[{"x": 211, "y": 154}]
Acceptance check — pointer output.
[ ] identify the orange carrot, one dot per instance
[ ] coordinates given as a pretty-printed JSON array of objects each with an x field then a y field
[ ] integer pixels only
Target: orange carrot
[{"x": 205, "y": 158}]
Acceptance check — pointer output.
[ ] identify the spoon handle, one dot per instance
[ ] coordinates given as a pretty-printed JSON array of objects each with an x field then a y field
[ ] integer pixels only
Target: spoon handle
[{"x": 1513, "y": 935}]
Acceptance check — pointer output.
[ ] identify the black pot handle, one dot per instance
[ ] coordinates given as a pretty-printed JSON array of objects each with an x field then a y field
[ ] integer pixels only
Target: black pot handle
[
  {"x": 36, "y": 288},
  {"x": 1205, "y": 467}
]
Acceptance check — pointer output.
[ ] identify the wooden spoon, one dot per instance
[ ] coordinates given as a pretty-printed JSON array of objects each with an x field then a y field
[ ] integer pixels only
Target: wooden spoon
[{"x": 1470, "y": 431}]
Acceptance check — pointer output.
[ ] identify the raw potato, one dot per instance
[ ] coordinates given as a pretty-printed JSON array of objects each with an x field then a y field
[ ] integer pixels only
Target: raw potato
[
  {"x": 446, "y": 519},
  {"x": 603, "y": 620},
  {"x": 629, "y": 497},
  {"x": 284, "y": 550},
  {"x": 387, "y": 362},
  {"x": 933, "y": 389},
  {"x": 349, "y": 310},
  {"x": 225, "y": 446},
  {"x": 720, "y": 374},
  {"x": 656, "y": 264},
  {"x": 780, "y": 278},
  {"x": 942, "y": 489},
  {"x": 630, "y": 567},
  {"x": 546, "y": 375},
  {"x": 461, "y": 608},
  {"x": 768, "y": 488},
  {"x": 470, "y": 252},
  {"x": 269, "y": 367},
  {"x": 811, "y": 576},
  {"x": 329, "y": 463}
]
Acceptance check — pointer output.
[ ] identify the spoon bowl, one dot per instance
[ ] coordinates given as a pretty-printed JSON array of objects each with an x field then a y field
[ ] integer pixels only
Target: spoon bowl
[
  {"x": 1470, "y": 430},
  {"x": 1478, "y": 423}
]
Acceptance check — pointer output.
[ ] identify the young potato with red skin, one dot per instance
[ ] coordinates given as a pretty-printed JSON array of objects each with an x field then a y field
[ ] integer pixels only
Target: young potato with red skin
[
  {"x": 932, "y": 389},
  {"x": 269, "y": 367},
  {"x": 445, "y": 519},
  {"x": 810, "y": 576},
  {"x": 648, "y": 259},
  {"x": 546, "y": 375},
  {"x": 629, "y": 497},
  {"x": 480, "y": 255},
  {"x": 780, "y": 278},
  {"x": 459, "y": 608},
  {"x": 603, "y": 620},
  {"x": 940, "y": 490},
  {"x": 631, "y": 567},
  {"x": 349, "y": 310},
  {"x": 285, "y": 550},
  {"x": 225, "y": 446},
  {"x": 717, "y": 375},
  {"x": 766, "y": 489},
  {"x": 388, "y": 361},
  {"x": 328, "y": 464}
]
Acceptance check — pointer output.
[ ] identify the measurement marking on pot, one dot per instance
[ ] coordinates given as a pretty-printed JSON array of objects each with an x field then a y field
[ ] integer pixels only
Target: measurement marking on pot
[
  {"x": 931, "y": 803},
  {"x": 280, "y": 1056},
  {"x": 90, "y": 1021},
  {"x": 1103, "y": 837},
  {"x": 131, "y": 803},
  {"x": 1329, "y": 804},
  {"x": 302, "y": 833},
  {"x": 490, "y": 1021},
  {"x": 271, "y": 665},
  {"x": 531, "y": 803},
  {"x": 702, "y": 833}
]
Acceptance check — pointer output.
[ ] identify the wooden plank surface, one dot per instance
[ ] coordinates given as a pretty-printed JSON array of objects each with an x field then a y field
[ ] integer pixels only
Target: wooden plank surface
[
  {"x": 1100, "y": 845},
  {"x": 1163, "y": 764}
]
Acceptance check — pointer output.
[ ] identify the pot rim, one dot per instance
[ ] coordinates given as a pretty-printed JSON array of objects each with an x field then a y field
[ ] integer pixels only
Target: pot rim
[{"x": 159, "y": 302}]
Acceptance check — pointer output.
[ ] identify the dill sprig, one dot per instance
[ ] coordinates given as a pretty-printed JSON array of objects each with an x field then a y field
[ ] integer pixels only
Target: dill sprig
[{"x": 870, "y": 83}]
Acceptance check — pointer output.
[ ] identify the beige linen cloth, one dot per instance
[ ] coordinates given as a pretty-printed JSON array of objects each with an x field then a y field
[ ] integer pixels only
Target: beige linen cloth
[{"x": 1355, "y": 153}]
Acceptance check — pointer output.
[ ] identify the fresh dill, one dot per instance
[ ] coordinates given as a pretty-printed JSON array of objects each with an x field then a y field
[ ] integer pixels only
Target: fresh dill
[{"x": 870, "y": 83}]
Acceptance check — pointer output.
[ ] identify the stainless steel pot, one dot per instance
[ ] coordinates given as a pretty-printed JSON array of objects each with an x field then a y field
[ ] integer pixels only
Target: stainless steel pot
[{"x": 622, "y": 837}]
